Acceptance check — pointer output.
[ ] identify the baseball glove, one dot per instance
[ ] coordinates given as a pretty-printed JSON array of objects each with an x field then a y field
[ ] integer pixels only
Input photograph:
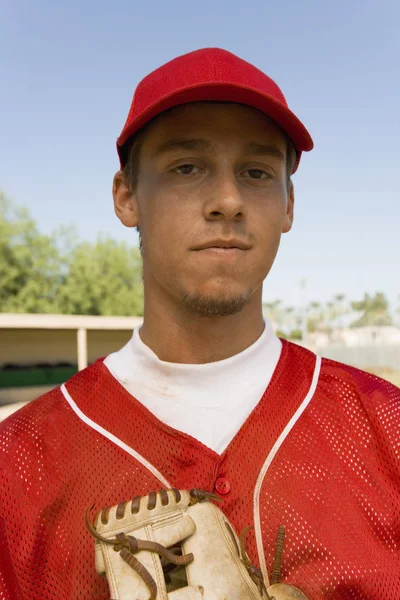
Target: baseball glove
[{"x": 177, "y": 545}]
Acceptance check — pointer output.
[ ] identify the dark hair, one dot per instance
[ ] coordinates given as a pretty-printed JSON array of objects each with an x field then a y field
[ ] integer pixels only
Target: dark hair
[
  {"x": 132, "y": 153},
  {"x": 133, "y": 147},
  {"x": 291, "y": 156}
]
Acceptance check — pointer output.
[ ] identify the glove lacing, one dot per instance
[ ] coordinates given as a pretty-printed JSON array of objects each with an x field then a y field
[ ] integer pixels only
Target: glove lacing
[{"x": 128, "y": 545}]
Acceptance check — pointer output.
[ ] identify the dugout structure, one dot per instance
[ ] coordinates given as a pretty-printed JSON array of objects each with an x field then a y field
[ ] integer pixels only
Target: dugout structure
[{"x": 39, "y": 352}]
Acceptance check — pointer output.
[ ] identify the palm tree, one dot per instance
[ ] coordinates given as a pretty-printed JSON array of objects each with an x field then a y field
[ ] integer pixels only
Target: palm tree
[
  {"x": 374, "y": 311},
  {"x": 314, "y": 316}
]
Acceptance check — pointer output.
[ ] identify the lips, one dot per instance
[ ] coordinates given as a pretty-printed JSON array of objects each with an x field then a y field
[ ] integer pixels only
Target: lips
[{"x": 227, "y": 244}]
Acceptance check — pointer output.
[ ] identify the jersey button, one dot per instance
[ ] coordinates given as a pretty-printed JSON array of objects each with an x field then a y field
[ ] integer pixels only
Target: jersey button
[{"x": 222, "y": 486}]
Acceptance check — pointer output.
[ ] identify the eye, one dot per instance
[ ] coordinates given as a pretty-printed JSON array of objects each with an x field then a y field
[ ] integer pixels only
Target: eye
[
  {"x": 256, "y": 174},
  {"x": 187, "y": 169}
]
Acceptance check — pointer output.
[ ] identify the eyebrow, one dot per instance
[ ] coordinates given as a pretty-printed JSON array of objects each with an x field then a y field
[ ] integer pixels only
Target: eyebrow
[
  {"x": 202, "y": 145},
  {"x": 199, "y": 145},
  {"x": 263, "y": 150}
]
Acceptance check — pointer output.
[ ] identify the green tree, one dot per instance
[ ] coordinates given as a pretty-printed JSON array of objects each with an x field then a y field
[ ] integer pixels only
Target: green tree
[
  {"x": 336, "y": 309},
  {"x": 29, "y": 263},
  {"x": 374, "y": 310},
  {"x": 58, "y": 274},
  {"x": 314, "y": 316},
  {"x": 104, "y": 278}
]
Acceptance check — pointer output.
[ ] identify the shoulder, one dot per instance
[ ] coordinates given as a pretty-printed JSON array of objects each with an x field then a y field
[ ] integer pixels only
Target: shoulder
[
  {"x": 339, "y": 377},
  {"x": 352, "y": 394},
  {"x": 372, "y": 390},
  {"x": 355, "y": 410},
  {"x": 48, "y": 417},
  {"x": 366, "y": 402},
  {"x": 45, "y": 444}
]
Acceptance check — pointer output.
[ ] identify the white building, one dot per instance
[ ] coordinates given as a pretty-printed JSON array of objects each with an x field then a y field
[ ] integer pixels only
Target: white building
[
  {"x": 27, "y": 340},
  {"x": 357, "y": 336}
]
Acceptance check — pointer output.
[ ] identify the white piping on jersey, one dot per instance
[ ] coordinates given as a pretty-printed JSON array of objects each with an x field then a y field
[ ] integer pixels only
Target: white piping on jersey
[
  {"x": 267, "y": 464},
  {"x": 113, "y": 438},
  {"x": 261, "y": 476}
]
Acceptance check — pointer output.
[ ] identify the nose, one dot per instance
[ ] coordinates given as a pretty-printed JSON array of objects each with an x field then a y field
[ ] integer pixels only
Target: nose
[{"x": 224, "y": 200}]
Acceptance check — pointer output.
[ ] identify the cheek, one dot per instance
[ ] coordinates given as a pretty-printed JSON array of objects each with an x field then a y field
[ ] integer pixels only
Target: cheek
[
  {"x": 268, "y": 248},
  {"x": 268, "y": 225},
  {"x": 167, "y": 223},
  {"x": 153, "y": 208},
  {"x": 270, "y": 214}
]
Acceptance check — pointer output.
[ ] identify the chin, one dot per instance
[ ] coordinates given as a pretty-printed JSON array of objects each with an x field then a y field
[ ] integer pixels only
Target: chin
[{"x": 216, "y": 304}]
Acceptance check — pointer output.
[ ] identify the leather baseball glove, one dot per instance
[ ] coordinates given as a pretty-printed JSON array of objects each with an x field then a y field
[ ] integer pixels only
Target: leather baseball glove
[{"x": 177, "y": 545}]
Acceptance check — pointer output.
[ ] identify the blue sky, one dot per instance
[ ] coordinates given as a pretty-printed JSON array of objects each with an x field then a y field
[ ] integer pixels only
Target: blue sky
[{"x": 68, "y": 71}]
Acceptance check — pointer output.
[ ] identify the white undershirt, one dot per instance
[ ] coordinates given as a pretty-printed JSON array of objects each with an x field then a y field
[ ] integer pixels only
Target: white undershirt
[{"x": 208, "y": 401}]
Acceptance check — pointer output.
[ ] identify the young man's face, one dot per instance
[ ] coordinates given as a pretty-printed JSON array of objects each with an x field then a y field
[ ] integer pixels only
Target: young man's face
[{"x": 210, "y": 176}]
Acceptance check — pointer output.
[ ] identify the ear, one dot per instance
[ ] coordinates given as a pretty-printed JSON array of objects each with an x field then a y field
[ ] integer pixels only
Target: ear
[
  {"x": 288, "y": 220},
  {"x": 125, "y": 204}
]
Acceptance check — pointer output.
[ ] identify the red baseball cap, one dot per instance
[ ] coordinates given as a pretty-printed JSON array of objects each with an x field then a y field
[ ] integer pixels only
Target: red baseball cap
[{"x": 210, "y": 74}]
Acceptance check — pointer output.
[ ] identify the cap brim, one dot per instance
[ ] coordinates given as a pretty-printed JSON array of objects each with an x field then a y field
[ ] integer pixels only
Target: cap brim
[{"x": 222, "y": 92}]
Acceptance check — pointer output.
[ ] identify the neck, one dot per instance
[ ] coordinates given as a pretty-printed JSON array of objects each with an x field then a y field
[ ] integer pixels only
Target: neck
[{"x": 177, "y": 336}]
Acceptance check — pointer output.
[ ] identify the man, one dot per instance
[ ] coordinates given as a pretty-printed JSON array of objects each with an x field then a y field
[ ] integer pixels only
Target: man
[{"x": 204, "y": 395}]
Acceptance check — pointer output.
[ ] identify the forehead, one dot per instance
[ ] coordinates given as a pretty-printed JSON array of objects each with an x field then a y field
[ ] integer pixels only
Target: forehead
[{"x": 214, "y": 121}]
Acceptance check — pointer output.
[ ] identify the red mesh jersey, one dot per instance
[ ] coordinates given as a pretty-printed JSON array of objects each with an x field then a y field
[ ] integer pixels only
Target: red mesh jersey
[{"x": 319, "y": 455}]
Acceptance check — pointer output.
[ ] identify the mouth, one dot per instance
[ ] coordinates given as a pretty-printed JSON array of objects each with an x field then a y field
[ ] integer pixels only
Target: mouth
[
  {"x": 223, "y": 245},
  {"x": 228, "y": 251}
]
